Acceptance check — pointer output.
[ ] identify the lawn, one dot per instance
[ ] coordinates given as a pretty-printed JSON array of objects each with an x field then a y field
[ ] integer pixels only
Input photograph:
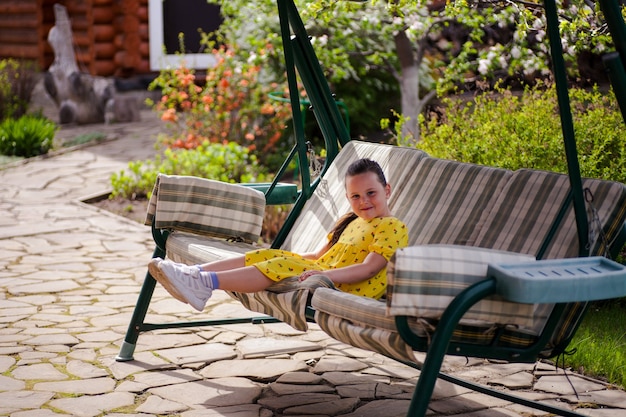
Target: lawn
[{"x": 600, "y": 343}]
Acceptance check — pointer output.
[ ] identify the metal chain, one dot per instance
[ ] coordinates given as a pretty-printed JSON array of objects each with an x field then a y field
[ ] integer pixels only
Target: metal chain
[{"x": 315, "y": 166}]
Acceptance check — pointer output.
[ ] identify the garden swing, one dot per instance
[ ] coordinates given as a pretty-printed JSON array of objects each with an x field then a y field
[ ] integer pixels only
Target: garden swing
[{"x": 516, "y": 241}]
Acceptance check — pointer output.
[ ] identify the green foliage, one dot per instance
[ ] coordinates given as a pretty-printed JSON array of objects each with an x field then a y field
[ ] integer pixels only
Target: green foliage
[
  {"x": 27, "y": 136},
  {"x": 417, "y": 47},
  {"x": 523, "y": 130},
  {"x": 17, "y": 81},
  {"x": 229, "y": 163}
]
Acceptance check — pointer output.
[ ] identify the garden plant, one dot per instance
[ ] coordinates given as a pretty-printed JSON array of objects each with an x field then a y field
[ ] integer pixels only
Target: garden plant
[{"x": 22, "y": 135}]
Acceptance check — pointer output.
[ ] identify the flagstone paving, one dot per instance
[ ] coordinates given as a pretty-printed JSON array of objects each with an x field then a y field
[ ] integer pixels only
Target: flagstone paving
[{"x": 70, "y": 275}]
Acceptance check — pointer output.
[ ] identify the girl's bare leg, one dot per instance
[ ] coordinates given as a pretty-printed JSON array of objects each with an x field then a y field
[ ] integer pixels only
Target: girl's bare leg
[
  {"x": 224, "y": 264},
  {"x": 247, "y": 279}
]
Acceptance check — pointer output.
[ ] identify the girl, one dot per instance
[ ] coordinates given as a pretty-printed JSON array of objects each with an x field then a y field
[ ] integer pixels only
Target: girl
[{"x": 354, "y": 258}]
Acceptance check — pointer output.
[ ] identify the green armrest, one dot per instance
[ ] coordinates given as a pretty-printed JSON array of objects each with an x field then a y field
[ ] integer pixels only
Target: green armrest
[
  {"x": 560, "y": 280},
  {"x": 282, "y": 193}
]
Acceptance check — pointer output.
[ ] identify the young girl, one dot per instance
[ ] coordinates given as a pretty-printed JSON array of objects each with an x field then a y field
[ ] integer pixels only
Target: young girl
[{"x": 354, "y": 258}]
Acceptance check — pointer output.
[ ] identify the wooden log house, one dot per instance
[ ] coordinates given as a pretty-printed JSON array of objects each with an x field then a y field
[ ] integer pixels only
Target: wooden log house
[{"x": 111, "y": 37}]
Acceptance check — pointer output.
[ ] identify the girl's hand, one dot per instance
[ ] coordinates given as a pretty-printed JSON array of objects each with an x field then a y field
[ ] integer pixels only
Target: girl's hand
[{"x": 307, "y": 274}]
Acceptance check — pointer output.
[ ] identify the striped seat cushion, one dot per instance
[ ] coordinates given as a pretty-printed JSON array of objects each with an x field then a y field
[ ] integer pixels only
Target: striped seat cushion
[
  {"x": 192, "y": 249},
  {"x": 364, "y": 323},
  {"x": 423, "y": 280},
  {"x": 206, "y": 207},
  {"x": 360, "y": 322},
  {"x": 285, "y": 300}
]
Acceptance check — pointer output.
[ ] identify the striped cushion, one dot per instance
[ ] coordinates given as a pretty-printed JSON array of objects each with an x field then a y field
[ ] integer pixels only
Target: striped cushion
[
  {"x": 524, "y": 212},
  {"x": 285, "y": 300},
  {"x": 423, "y": 280},
  {"x": 444, "y": 201},
  {"x": 360, "y": 322},
  {"x": 363, "y": 322},
  {"x": 206, "y": 207},
  {"x": 192, "y": 249}
]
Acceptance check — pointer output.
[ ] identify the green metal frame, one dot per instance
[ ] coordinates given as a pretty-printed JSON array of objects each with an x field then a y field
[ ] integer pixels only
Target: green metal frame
[{"x": 300, "y": 60}]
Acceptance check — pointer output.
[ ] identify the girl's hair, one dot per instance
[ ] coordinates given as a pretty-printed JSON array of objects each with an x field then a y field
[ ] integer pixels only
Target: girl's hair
[{"x": 360, "y": 166}]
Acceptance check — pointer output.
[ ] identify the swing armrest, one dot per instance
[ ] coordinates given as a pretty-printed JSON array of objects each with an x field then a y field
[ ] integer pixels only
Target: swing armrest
[
  {"x": 280, "y": 193},
  {"x": 206, "y": 207},
  {"x": 560, "y": 280}
]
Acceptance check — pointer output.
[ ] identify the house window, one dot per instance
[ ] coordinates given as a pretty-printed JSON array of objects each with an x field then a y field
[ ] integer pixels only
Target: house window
[{"x": 169, "y": 18}]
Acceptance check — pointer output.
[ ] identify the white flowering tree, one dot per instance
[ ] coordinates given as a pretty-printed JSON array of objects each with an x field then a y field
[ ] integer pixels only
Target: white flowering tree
[{"x": 428, "y": 46}]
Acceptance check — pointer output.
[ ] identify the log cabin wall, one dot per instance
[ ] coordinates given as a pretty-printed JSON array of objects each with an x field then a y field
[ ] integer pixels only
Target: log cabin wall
[{"x": 110, "y": 36}]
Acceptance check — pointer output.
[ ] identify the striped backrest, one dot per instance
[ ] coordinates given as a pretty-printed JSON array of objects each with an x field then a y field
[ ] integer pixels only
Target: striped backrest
[
  {"x": 525, "y": 211},
  {"x": 446, "y": 202}
]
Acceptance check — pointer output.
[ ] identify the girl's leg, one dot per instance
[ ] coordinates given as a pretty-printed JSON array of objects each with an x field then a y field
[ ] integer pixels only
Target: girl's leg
[
  {"x": 224, "y": 264},
  {"x": 246, "y": 279},
  {"x": 194, "y": 285}
]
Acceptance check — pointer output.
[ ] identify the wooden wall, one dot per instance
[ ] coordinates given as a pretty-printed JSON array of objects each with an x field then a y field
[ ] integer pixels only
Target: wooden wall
[{"x": 110, "y": 36}]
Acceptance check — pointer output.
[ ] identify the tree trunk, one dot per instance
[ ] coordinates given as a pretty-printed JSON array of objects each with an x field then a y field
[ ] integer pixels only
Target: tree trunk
[{"x": 409, "y": 90}]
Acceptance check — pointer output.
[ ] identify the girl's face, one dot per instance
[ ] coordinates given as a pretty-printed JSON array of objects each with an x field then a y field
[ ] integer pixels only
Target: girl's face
[{"x": 367, "y": 196}]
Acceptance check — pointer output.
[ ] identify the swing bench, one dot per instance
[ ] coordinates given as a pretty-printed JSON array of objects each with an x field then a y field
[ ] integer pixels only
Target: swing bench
[{"x": 500, "y": 264}]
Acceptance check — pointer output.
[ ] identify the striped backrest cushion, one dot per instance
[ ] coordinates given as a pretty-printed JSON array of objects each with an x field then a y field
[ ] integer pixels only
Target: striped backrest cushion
[
  {"x": 523, "y": 215},
  {"x": 329, "y": 201},
  {"x": 445, "y": 201},
  {"x": 206, "y": 207}
]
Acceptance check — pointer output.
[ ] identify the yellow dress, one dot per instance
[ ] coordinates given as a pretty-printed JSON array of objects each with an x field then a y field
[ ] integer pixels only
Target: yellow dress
[{"x": 380, "y": 235}]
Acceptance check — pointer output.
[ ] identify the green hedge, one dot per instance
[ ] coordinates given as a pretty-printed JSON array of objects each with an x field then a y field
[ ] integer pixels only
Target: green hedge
[{"x": 512, "y": 131}]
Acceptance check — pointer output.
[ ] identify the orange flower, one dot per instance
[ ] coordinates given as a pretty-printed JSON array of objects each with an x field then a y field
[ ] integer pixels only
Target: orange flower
[
  {"x": 169, "y": 115},
  {"x": 249, "y": 136},
  {"x": 267, "y": 109}
]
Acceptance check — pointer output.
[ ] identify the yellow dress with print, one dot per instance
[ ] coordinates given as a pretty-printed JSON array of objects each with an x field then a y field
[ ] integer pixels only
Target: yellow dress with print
[{"x": 382, "y": 235}]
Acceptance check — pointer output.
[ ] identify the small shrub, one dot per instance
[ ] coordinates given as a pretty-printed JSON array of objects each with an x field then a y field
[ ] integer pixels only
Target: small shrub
[
  {"x": 27, "y": 136},
  {"x": 514, "y": 131},
  {"x": 228, "y": 163},
  {"x": 17, "y": 81}
]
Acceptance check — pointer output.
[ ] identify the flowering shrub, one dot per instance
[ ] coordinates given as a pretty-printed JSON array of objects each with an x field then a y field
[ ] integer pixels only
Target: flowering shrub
[{"x": 230, "y": 104}]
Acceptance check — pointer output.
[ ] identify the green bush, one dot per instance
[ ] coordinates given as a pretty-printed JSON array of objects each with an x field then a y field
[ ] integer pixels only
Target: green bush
[
  {"x": 523, "y": 130},
  {"x": 17, "y": 81},
  {"x": 229, "y": 163},
  {"x": 27, "y": 136}
]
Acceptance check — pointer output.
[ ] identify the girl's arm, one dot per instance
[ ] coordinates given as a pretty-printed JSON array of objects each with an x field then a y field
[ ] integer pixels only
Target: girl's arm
[{"x": 371, "y": 266}]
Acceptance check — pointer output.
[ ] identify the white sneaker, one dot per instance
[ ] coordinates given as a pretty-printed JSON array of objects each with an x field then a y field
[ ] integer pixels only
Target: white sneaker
[{"x": 181, "y": 281}]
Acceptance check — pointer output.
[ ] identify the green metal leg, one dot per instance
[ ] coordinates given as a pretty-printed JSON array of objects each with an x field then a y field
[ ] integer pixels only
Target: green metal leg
[
  {"x": 141, "y": 308},
  {"x": 439, "y": 344}
]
